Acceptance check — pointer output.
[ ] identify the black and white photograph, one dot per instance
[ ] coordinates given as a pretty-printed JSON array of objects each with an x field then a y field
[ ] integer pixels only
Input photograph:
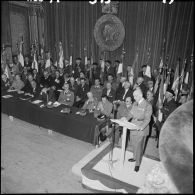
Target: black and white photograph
[{"x": 97, "y": 97}]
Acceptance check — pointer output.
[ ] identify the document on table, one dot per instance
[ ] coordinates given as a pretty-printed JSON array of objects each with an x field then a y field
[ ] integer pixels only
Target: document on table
[
  {"x": 126, "y": 124},
  {"x": 7, "y": 96},
  {"x": 11, "y": 90},
  {"x": 37, "y": 101},
  {"x": 56, "y": 104}
]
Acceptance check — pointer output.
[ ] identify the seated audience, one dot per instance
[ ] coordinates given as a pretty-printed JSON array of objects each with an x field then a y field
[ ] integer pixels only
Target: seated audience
[
  {"x": 103, "y": 112},
  {"x": 109, "y": 92},
  {"x": 17, "y": 84},
  {"x": 97, "y": 89},
  {"x": 81, "y": 95},
  {"x": 66, "y": 96}
]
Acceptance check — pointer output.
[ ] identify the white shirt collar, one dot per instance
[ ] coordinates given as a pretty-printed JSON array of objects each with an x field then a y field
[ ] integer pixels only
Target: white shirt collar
[{"x": 140, "y": 100}]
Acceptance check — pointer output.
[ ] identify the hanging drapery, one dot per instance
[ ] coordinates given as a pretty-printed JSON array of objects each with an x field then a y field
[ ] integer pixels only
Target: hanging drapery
[{"x": 147, "y": 25}]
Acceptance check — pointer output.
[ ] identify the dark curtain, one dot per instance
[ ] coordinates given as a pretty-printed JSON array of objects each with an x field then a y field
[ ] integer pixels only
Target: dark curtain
[
  {"x": 5, "y": 24},
  {"x": 146, "y": 24}
]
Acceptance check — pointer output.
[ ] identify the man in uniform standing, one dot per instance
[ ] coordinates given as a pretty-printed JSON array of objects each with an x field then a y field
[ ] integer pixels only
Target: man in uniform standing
[{"x": 140, "y": 115}]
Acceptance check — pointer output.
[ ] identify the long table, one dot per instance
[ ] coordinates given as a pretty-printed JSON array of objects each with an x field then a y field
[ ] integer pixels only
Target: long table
[{"x": 76, "y": 126}]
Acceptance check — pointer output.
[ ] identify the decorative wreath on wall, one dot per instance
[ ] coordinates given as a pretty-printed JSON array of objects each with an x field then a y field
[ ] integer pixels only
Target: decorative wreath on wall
[{"x": 109, "y": 32}]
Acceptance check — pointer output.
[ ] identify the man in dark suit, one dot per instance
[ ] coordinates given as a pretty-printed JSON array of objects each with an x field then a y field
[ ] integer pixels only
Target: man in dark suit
[
  {"x": 109, "y": 70},
  {"x": 45, "y": 80},
  {"x": 27, "y": 88},
  {"x": 81, "y": 95},
  {"x": 127, "y": 91},
  {"x": 27, "y": 63},
  {"x": 109, "y": 92},
  {"x": 79, "y": 67},
  {"x": 140, "y": 115},
  {"x": 67, "y": 68},
  {"x": 36, "y": 76},
  {"x": 120, "y": 87}
]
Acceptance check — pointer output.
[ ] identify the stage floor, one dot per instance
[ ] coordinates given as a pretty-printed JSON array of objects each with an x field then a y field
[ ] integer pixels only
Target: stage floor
[{"x": 102, "y": 175}]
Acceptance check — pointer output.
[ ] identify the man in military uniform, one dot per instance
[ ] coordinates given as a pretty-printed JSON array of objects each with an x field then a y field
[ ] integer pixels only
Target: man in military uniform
[
  {"x": 66, "y": 97},
  {"x": 140, "y": 115}
]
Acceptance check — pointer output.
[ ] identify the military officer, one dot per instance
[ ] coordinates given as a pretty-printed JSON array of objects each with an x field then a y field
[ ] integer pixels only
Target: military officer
[
  {"x": 66, "y": 97},
  {"x": 140, "y": 115}
]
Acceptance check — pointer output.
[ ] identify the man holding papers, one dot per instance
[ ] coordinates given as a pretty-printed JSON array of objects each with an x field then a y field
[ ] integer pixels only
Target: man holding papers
[{"x": 140, "y": 115}]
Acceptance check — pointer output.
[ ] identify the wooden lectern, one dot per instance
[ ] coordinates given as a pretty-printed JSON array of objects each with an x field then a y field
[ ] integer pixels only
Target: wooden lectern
[{"x": 126, "y": 125}]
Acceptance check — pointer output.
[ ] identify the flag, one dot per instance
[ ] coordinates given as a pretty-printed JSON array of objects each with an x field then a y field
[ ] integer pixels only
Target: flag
[
  {"x": 167, "y": 82},
  {"x": 20, "y": 56},
  {"x": 34, "y": 63},
  {"x": 175, "y": 86},
  {"x": 48, "y": 62},
  {"x": 61, "y": 56},
  {"x": 120, "y": 68},
  {"x": 7, "y": 72},
  {"x": 158, "y": 77},
  {"x": 71, "y": 60},
  {"x": 160, "y": 97},
  {"x": 85, "y": 60},
  {"x": 183, "y": 74},
  {"x": 148, "y": 71}
]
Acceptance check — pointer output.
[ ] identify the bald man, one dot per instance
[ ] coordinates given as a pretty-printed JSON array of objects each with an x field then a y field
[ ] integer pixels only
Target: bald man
[{"x": 140, "y": 114}]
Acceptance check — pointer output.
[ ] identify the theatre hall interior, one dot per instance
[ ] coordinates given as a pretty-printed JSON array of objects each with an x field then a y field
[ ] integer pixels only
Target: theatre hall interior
[{"x": 97, "y": 96}]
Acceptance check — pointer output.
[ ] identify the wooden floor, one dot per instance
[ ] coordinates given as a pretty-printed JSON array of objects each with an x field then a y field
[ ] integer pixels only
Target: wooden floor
[{"x": 33, "y": 161}]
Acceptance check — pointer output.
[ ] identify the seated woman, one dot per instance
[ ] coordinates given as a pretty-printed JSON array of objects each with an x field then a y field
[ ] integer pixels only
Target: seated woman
[
  {"x": 66, "y": 97},
  {"x": 17, "y": 84},
  {"x": 5, "y": 83},
  {"x": 103, "y": 113},
  {"x": 90, "y": 103}
]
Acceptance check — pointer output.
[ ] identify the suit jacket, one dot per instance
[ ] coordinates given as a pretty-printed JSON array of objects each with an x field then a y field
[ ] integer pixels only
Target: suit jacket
[
  {"x": 128, "y": 94},
  {"x": 168, "y": 108},
  {"x": 58, "y": 83},
  {"x": 82, "y": 92},
  {"x": 111, "y": 95},
  {"x": 45, "y": 82},
  {"x": 141, "y": 116},
  {"x": 76, "y": 70},
  {"x": 36, "y": 92}
]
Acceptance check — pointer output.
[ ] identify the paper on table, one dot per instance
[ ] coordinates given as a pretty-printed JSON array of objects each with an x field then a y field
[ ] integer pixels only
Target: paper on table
[
  {"x": 125, "y": 123},
  {"x": 37, "y": 101},
  {"x": 7, "y": 96},
  {"x": 11, "y": 90},
  {"x": 59, "y": 90},
  {"x": 56, "y": 104}
]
